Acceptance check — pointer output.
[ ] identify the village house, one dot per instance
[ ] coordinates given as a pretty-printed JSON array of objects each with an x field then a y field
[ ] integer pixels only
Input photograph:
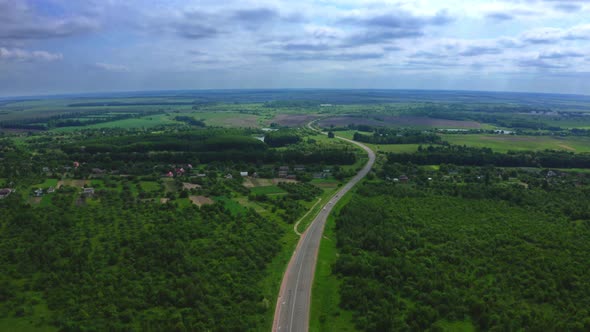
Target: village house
[
  {"x": 38, "y": 192},
  {"x": 299, "y": 168},
  {"x": 88, "y": 192},
  {"x": 98, "y": 171},
  {"x": 5, "y": 192},
  {"x": 243, "y": 173},
  {"x": 404, "y": 179},
  {"x": 51, "y": 190}
]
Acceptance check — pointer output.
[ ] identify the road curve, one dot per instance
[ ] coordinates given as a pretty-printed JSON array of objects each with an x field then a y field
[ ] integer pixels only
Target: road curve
[{"x": 294, "y": 301}]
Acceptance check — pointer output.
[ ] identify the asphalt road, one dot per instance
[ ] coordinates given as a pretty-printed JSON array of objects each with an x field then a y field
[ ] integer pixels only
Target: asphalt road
[{"x": 294, "y": 301}]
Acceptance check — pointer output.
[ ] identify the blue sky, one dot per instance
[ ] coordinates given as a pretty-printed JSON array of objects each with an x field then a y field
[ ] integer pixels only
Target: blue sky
[{"x": 64, "y": 46}]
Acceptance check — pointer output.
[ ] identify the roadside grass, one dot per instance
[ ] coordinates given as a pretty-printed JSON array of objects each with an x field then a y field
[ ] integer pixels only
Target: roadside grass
[
  {"x": 325, "y": 197},
  {"x": 274, "y": 273},
  {"x": 326, "y": 314},
  {"x": 504, "y": 143}
]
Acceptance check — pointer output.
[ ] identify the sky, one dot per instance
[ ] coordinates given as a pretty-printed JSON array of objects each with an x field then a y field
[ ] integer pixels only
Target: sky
[{"x": 65, "y": 46}]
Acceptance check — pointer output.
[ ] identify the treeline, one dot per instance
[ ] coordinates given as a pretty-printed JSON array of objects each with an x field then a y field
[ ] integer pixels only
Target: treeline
[
  {"x": 473, "y": 156},
  {"x": 389, "y": 136},
  {"x": 304, "y": 191},
  {"x": 196, "y": 146},
  {"x": 72, "y": 119},
  {"x": 413, "y": 259},
  {"x": 500, "y": 115},
  {"x": 281, "y": 138},
  {"x": 190, "y": 121},
  {"x": 134, "y": 266}
]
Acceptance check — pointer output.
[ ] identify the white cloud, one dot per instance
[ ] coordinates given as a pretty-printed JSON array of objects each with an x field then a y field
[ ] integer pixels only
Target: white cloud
[
  {"x": 112, "y": 67},
  {"x": 17, "y": 54}
]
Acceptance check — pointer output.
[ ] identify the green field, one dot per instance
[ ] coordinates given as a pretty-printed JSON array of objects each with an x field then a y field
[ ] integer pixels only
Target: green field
[
  {"x": 268, "y": 190},
  {"x": 46, "y": 184},
  {"x": 143, "y": 122},
  {"x": 504, "y": 143},
  {"x": 150, "y": 186}
]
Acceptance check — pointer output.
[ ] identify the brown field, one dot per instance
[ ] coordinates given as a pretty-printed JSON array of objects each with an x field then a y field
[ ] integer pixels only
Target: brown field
[
  {"x": 251, "y": 183},
  {"x": 293, "y": 120},
  {"x": 200, "y": 200},
  {"x": 397, "y": 121},
  {"x": 242, "y": 122},
  {"x": 189, "y": 186},
  {"x": 279, "y": 180},
  {"x": 72, "y": 183}
]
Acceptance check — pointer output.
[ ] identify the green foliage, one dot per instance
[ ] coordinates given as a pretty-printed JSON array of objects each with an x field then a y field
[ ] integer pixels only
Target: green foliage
[
  {"x": 281, "y": 138},
  {"x": 410, "y": 258},
  {"x": 146, "y": 266},
  {"x": 389, "y": 136}
]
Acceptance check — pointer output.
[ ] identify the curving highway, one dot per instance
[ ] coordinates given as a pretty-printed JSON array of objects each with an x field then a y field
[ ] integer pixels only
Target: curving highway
[{"x": 294, "y": 301}]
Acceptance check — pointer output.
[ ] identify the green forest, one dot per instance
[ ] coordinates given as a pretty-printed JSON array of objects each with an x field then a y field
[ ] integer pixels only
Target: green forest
[{"x": 414, "y": 257}]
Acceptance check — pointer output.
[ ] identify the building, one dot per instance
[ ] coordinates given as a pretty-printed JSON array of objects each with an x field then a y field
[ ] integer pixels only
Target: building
[
  {"x": 291, "y": 177},
  {"x": 5, "y": 192},
  {"x": 38, "y": 192},
  {"x": 88, "y": 192},
  {"x": 403, "y": 179},
  {"x": 283, "y": 174},
  {"x": 299, "y": 168},
  {"x": 51, "y": 190},
  {"x": 243, "y": 173}
]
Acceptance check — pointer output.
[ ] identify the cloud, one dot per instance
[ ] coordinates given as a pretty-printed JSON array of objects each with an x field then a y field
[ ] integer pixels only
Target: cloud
[
  {"x": 379, "y": 36},
  {"x": 539, "y": 63},
  {"x": 17, "y": 54},
  {"x": 255, "y": 15},
  {"x": 555, "y": 35},
  {"x": 306, "y": 47},
  {"x": 562, "y": 55},
  {"x": 499, "y": 16},
  {"x": 18, "y": 21},
  {"x": 380, "y": 28},
  {"x": 111, "y": 67},
  {"x": 399, "y": 20},
  {"x": 324, "y": 56},
  {"x": 480, "y": 50}
]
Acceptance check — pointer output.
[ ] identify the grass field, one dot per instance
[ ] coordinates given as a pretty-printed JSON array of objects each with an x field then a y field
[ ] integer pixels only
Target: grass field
[
  {"x": 46, "y": 184},
  {"x": 268, "y": 190},
  {"x": 150, "y": 186},
  {"x": 504, "y": 143},
  {"x": 143, "y": 122}
]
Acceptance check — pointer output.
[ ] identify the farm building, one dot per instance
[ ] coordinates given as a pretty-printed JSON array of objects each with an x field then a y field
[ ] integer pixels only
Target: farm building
[
  {"x": 88, "y": 192},
  {"x": 5, "y": 192}
]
